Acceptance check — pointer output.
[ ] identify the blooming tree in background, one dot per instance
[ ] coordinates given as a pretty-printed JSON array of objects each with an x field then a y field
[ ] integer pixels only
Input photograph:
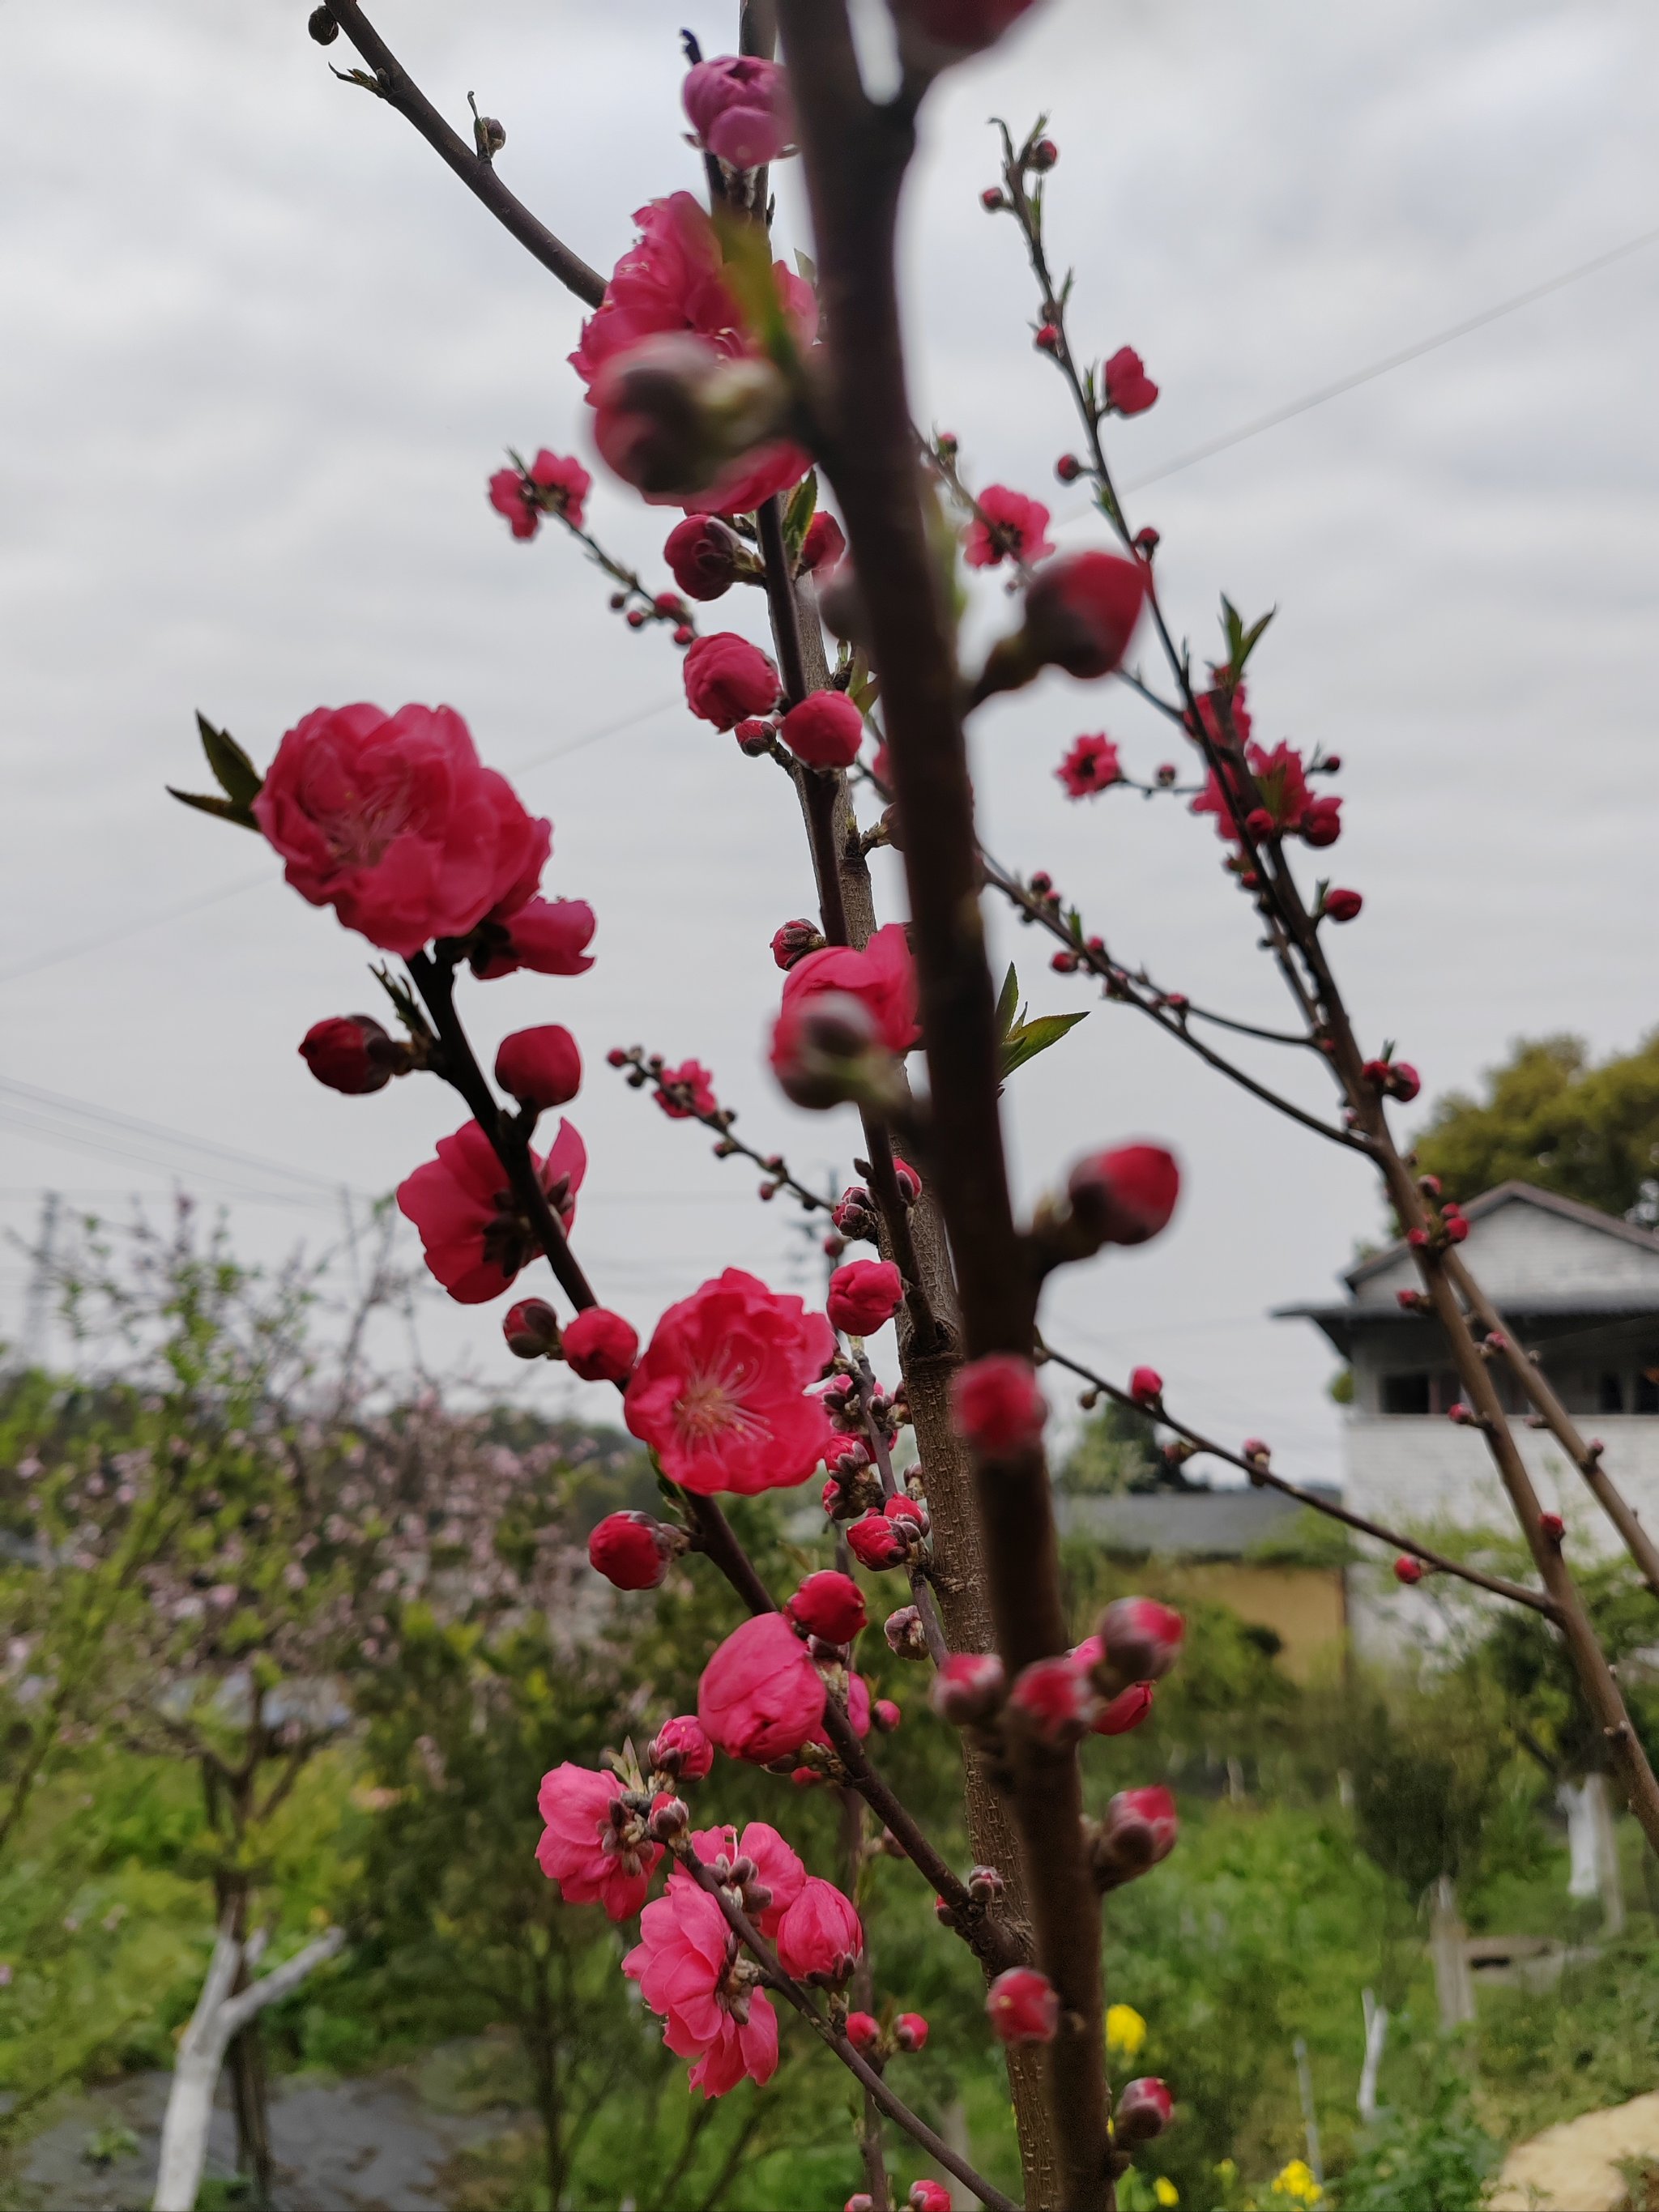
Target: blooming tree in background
[{"x": 736, "y": 386}]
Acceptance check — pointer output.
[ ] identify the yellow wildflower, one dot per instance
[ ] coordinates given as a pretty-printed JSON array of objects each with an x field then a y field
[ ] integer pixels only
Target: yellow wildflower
[
  {"x": 1165, "y": 2190},
  {"x": 1296, "y": 2181},
  {"x": 1125, "y": 2031}
]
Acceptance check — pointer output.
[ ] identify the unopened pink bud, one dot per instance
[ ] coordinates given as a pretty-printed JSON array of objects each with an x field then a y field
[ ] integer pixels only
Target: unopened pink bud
[
  {"x": 1125, "y": 1711},
  {"x": 1552, "y": 1526},
  {"x": 631, "y": 1550},
  {"x": 825, "y": 730},
  {"x": 885, "y": 1715},
  {"x": 906, "y": 1637},
  {"x": 1056, "y": 1700},
  {"x": 997, "y": 1406},
  {"x": 1407, "y": 1570},
  {"x": 739, "y": 106},
  {"x": 600, "y": 1347},
  {"x": 1342, "y": 905},
  {"x": 1024, "y": 2006},
  {"x": 1081, "y": 609},
  {"x": 531, "y": 1329},
  {"x": 794, "y": 940},
  {"x": 829, "y": 1605},
  {"x": 876, "y": 1542},
  {"x": 927, "y": 2196},
  {"x": 1146, "y": 1386},
  {"x": 910, "y": 2030},
  {"x": 1138, "y": 1831},
  {"x": 351, "y": 1053},
  {"x": 681, "y": 1747},
  {"x": 1126, "y": 1195},
  {"x": 969, "y": 1686},
  {"x": 540, "y": 1067},
  {"x": 706, "y": 556},
  {"x": 1144, "y": 2109},
  {"x": 1140, "y": 1639}
]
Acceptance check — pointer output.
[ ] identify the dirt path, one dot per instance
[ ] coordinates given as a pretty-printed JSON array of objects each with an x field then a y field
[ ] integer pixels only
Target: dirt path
[{"x": 1575, "y": 2168}]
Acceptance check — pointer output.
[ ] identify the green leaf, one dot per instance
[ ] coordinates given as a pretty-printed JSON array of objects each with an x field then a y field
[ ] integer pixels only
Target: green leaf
[
  {"x": 798, "y": 515},
  {"x": 235, "y": 774},
  {"x": 746, "y": 252},
  {"x": 1028, "y": 1039},
  {"x": 1243, "y": 638},
  {"x": 1007, "y": 1001},
  {"x": 226, "y": 809}
]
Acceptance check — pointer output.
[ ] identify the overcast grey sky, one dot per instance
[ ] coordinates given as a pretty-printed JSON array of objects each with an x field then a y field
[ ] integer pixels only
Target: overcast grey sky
[{"x": 264, "y": 352}]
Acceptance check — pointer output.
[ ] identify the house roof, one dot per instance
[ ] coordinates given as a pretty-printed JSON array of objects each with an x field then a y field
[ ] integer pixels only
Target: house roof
[
  {"x": 1525, "y": 1194},
  {"x": 1185, "y": 1524}
]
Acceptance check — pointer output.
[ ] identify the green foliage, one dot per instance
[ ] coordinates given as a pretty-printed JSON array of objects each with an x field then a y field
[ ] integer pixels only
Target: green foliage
[
  {"x": 1023, "y": 1039},
  {"x": 1431, "y": 2153},
  {"x": 1548, "y": 1117},
  {"x": 1427, "y": 1770},
  {"x": 1116, "y": 1450}
]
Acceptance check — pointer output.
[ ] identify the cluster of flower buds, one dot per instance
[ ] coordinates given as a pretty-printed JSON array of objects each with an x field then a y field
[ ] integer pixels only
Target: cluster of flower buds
[
  {"x": 1393, "y": 1079},
  {"x": 1137, "y": 1833},
  {"x": 853, "y": 1486},
  {"x": 351, "y": 1053},
  {"x": 1414, "y": 1301},
  {"x": 633, "y": 1551},
  {"x": 893, "y": 1537},
  {"x": 907, "y": 2033}
]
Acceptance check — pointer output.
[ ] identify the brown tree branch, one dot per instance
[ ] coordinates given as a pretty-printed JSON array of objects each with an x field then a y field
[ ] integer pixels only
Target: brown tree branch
[
  {"x": 856, "y": 156},
  {"x": 399, "y": 89},
  {"x": 1497, "y": 1585}
]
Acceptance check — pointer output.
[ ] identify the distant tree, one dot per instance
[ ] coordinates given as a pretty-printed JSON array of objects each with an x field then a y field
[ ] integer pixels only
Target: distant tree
[
  {"x": 1548, "y": 1118},
  {"x": 1116, "y": 1450}
]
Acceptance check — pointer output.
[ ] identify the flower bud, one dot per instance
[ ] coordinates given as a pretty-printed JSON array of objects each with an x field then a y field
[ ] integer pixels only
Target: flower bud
[
  {"x": 997, "y": 1406},
  {"x": 1081, "y": 609},
  {"x": 1342, "y": 905},
  {"x": 1407, "y": 1570},
  {"x": 1125, "y": 1711},
  {"x": 632, "y": 1550},
  {"x": 1042, "y": 156},
  {"x": 740, "y": 108},
  {"x": 1138, "y": 1830},
  {"x": 862, "y": 2031},
  {"x": 322, "y": 26},
  {"x": 540, "y": 1067},
  {"x": 969, "y": 1686},
  {"x": 674, "y": 412},
  {"x": 909, "y": 1181},
  {"x": 1139, "y": 1640},
  {"x": 352, "y": 1053},
  {"x": 855, "y": 1214},
  {"x": 986, "y": 1885},
  {"x": 876, "y": 1542},
  {"x": 600, "y": 1347},
  {"x": 705, "y": 555},
  {"x": 1024, "y": 2006},
  {"x": 825, "y": 730},
  {"x": 1552, "y": 1526},
  {"x": 910, "y": 2032},
  {"x": 793, "y": 941},
  {"x": 681, "y": 1747},
  {"x": 1144, "y": 2109},
  {"x": 1146, "y": 1386},
  {"x": 1056, "y": 1700},
  {"x": 1126, "y": 1195},
  {"x": 1321, "y": 821},
  {"x": 885, "y": 1715},
  {"x": 671, "y": 1818},
  {"x": 824, "y": 544},
  {"x": 906, "y": 1639},
  {"x": 531, "y": 1329},
  {"x": 927, "y": 2196},
  {"x": 826, "y": 1051},
  {"x": 864, "y": 1296},
  {"x": 820, "y": 1938},
  {"x": 829, "y": 1605}
]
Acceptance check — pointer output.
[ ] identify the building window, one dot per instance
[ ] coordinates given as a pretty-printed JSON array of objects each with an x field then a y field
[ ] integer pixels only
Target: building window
[
  {"x": 1610, "y": 1394},
  {"x": 1406, "y": 1394}
]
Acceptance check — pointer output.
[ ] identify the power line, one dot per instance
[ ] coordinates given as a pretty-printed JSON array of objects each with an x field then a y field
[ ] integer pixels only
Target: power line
[
  {"x": 120, "y": 931},
  {"x": 1393, "y": 361}
]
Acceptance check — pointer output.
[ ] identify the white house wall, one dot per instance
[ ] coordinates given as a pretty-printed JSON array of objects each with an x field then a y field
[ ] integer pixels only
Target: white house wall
[{"x": 1410, "y": 1472}]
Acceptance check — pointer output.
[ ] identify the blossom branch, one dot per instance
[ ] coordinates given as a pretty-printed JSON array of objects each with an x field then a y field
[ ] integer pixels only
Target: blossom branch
[
  {"x": 874, "y": 2084},
  {"x": 1586, "y": 1456},
  {"x": 856, "y": 156},
  {"x": 684, "y": 1098},
  {"x": 1119, "y": 985},
  {"x": 1263, "y": 1476},
  {"x": 920, "y": 1590},
  {"x": 393, "y": 84}
]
